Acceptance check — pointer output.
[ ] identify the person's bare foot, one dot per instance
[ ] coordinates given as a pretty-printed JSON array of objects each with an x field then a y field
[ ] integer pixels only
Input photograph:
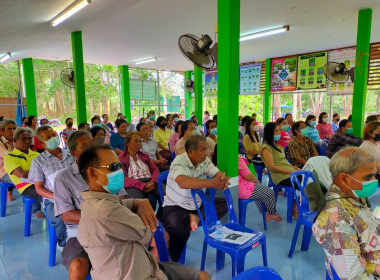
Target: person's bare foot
[
  {"x": 194, "y": 221},
  {"x": 40, "y": 215},
  {"x": 280, "y": 192},
  {"x": 295, "y": 210},
  {"x": 265, "y": 171},
  {"x": 275, "y": 217},
  {"x": 11, "y": 197}
]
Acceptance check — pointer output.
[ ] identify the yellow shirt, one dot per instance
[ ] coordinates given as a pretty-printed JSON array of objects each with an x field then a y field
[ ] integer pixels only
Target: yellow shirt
[
  {"x": 250, "y": 145},
  {"x": 162, "y": 137},
  {"x": 16, "y": 159}
]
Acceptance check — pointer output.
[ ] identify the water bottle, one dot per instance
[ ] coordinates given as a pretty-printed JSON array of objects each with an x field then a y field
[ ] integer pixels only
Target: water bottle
[{"x": 219, "y": 231}]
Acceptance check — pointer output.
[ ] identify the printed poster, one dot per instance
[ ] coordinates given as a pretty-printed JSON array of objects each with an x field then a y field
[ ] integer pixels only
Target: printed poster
[
  {"x": 348, "y": 57},
  {"x": 310, "y": 71},
  {"x": 211, "y": 82},
  {"x": 250, "y": 76},
  {"x": 203, "y": 82},
  {"x": 284, "y": 74}
]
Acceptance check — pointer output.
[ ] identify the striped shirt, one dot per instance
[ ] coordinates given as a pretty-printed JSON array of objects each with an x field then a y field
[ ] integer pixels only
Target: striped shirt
[
  {"x": 182, "y": 165},
  {"x": 304, "y": 151},
  {"x": 138, "y": 169}
]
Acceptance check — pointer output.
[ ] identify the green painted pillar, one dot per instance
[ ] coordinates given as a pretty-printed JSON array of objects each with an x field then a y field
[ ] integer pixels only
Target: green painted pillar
[
  {"x": 80, "y": 93},
  {"x": 267, "y": 96},
  {"x": 228, "y": 85},
  {"x": 361, "y": 70},
  {"x": 30, "y": 89},
  {"x": 125, "y": 91},
  {"x": 188, "y": 98},
  {"x": 198, "y": 98}
]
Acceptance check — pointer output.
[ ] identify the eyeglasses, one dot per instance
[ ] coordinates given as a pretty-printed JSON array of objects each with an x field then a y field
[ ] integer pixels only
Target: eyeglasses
[{"x": 112, "y": 167}]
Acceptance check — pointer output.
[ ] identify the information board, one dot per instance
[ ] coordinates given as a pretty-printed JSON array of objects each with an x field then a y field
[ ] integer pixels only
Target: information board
[
  {"x": 250, "y": 76},
  {"x": 142, "y": 90},
  {"x": 203, "y": 82},
  {"x": 310, "y": 71},
  {"x": 284, "y": 74},
  {"x": 348, "y": 57},
  {"x": 211, "y": 82}
]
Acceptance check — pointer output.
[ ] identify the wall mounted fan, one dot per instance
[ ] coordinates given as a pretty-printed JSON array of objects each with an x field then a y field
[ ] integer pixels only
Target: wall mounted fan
[
  {"x": 67, "y": 77},
  {"x": 188, "y": 85},
  {"x": 338, "y": 73}
]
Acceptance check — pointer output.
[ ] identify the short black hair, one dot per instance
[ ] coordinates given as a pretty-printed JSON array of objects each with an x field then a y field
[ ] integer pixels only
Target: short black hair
[
  {"x": 175, "y": 115},
  {"x": 44, "y": 119},
  {"x": 296, "y": 126},
  {"x": 82, "y": 125},
  {"x": 95, "y": 118},
  {"x": 177, "y": 124},
  {"x": 104, "y": 115},
  {"x": 214, "y": 118},
  {"x": 90, "y": 158},
  {"x": 66, "y": 119},
  {"x": 343, "y": 123},
  {"x": 334, "y": 115},
  {"x": 159, "y": 120},
  {"x": 94, "y": 130},
  {"x": 193, "y": 117},
  {"x": 168, "y": 116},
  {"x": 192, "y": 143},
  {"x": 118, "y": 122},
  {"x": 371, "y": 118},
  {"x": 139, "y": 125},
  {"x": 287, "y": 114}
]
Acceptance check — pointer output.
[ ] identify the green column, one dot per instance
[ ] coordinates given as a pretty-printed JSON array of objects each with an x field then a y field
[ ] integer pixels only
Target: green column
[
  {"x": 80, "y": 93},
  {"x": 361, "y": 70},
  {"x": 30, "y": 89},
  {"x": 267, "y": 96},
  {"x": 125, "y": 91},
  {"x": 228, "y": 85},
  {"x": 198, "y": 92},
  {"x": 188, "y": 98}
]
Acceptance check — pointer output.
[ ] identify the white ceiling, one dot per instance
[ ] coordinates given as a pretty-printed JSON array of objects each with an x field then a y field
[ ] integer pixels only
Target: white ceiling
[{"x": 123, "y": 31}]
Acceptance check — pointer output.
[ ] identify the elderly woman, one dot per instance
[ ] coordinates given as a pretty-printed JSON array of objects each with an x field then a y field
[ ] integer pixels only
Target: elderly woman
[
  {"x": 98, "y": 135},
  {"x": 162, "y": 135},
  {"x": 169, "y": 124},
  {"x": 371, "y": 137},
  {"x": 140, "y": 172},
  {"x": 187, "y": 129},
  {"x": 150, "y": 147},
  {"x": 342, "y": 137},
  {"x": 346, "y": 227},
  {"x": 211, "y": 137},
  {"x": 175, "y": 136},
  {"x": 252, "y": 143}
]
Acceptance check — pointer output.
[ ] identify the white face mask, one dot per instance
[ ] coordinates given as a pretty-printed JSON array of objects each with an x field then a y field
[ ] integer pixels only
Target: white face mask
[
  {"x": 325, "y": 120},
  {"x": 255, "y": 128}
]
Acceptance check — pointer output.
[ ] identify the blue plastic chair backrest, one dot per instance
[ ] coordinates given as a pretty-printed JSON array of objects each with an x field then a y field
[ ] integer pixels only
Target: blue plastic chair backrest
[
  {"x": 286, "y": 149},
  {"x": 162, "y": 177},
  {"x": 162, "y": 248},
  {"x": 334, "y": 274},
  {"x": 294, "y": 180},
  {"x": 210, "y": 211},
  {"x": 322, "y": 149},
  {"x": 61, "y": 140},
  {"x": 258, "y": 273},
  {"x": 173, "y": 155},
  {"x": 204, "y": 129},
  {"x": 270, "y": 182}
]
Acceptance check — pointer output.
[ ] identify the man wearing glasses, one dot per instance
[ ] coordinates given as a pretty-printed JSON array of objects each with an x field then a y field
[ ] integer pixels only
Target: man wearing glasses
[{"x": 69, "y": 185}]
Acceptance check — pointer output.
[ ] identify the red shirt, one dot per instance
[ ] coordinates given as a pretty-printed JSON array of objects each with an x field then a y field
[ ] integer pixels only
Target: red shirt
[{"x": 324, "y": 129}]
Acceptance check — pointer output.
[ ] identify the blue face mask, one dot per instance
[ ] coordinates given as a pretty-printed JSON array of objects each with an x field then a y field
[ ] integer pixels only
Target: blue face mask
[
  {"x": 52, "y": 143},
  {"x": 176, "y": 119},
  {"x": 213, "y": 131},
  {"x": 196, "y": 128},
  {"x": 284, "y": 127},
  {"x": 313, "y": 123},
  {"x": 97, "y": 125},
  {"x": 240, "y": 122},
  {"x": 304, "y": 132},
  {"x": 115, "y": 181},
  {"x": 368, "y": 188},
  {"x": 349, "y": 131},
  {"x": 277, "y": 137}
]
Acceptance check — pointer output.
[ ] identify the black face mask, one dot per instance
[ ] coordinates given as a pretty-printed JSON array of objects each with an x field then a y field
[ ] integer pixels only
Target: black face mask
[
  {"x": 377, "y": 137},
  {"x": 25, "y": 123},
  {"x": 70, "y": 124},
  {"x": 337, "y": 120},
  {"x": 162, "y": 125}
]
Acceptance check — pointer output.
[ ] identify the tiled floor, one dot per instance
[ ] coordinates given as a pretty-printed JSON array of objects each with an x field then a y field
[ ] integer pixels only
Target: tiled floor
[{"x": 27, "y": 257}]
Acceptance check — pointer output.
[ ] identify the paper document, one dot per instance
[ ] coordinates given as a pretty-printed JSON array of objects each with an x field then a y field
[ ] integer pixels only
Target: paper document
[
  {"x": 51, "y": 177},
  {"x": 26, "y": 181},
  {"x": 235, "y": 237}
]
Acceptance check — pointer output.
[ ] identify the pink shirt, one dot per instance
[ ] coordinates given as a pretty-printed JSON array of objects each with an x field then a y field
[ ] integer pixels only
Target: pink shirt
[
  {"x": 284, "y": 140},
  {"x": 245, "y": 188},
  {"x": 324, "y": 130},
  {"x": 173, "y": 139}
]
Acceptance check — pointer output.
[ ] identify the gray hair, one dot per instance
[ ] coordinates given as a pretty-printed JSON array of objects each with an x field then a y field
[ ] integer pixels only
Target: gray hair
[
  {"x": 192, "y": 143},
  {"x": 349, "y": 160},
  {"x": 20, "y": 130},
  {"x": 106, "y": 128},
  {"x": 72, "y": 140},
  {"x": 149, "y": 121},
  {"x": 4, "y": 123},
  {"x": 42, "y": 128}
]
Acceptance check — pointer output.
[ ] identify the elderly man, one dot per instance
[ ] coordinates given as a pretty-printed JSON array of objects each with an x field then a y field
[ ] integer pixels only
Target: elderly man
[
  {"x": 68, "y": 186},
  {"x": 17, "y": 164},
  {"x": 7, "y": 127},
  {"x": 150, "y": 125},
  {"x": 122, "y": 227},
  {"x": 346, "y": 227},
  {"x": 189, "y": 171},
  {"x": 43, "y": 171}
]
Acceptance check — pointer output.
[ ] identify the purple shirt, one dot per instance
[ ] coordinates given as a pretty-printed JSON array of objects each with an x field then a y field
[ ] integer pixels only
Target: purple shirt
[{"x": 173, "y": 140}]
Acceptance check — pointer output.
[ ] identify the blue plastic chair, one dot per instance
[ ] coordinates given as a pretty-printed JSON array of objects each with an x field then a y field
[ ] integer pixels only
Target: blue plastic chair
[
  {"x": 162, "y": 248},
  {"x": 286, "y": 149},
  {"x": 290, "y": 191},
  {"x": 173, "y": 155},
  {"x": 243, "y": 204},
  {"x": 259, "y": 171},
  {"x": 62, "y": 141},
  {"x": 162, "y": 177},
  {"x": 4, "y": 192},
  {"x": 322, "y": 149},
  {"x": 28, "y": 214},
  {"x": 305, "y": 217},
  {"x": 237, "y": 252},
  {"x": 204, "y": 129},
  {"x": 334, "y": 274},
  {"x": 258, "y": 273},
  {"x": 52, "y": 243}
]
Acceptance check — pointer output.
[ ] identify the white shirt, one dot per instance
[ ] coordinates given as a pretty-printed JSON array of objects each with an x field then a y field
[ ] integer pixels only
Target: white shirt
[
  {"x": 372, "y": 148},
  {"x": 182, "y": 165}
]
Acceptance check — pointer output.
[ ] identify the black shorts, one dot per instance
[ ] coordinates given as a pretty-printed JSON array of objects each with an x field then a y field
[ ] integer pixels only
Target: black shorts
[{"x": 73, "y": 250}]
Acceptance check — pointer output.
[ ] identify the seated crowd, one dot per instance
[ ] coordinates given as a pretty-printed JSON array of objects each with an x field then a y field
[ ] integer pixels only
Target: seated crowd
[{"x": 106, "y": 182}]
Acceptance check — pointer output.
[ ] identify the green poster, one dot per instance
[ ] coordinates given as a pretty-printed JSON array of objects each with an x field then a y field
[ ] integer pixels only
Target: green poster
[{"x": 310, "y": 71}]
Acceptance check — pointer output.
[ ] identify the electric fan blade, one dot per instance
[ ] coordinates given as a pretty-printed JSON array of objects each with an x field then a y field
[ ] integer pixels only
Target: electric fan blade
[
  {"x": 335, "y": 73},
  {"x": 67, "y": 77},
  {"x": 188, "y": 45},
  {"x": 188, "y": 85}
]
